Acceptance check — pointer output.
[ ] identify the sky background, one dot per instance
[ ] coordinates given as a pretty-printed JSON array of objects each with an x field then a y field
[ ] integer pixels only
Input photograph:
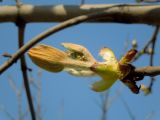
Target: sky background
[{"x": 65, "y": 97}]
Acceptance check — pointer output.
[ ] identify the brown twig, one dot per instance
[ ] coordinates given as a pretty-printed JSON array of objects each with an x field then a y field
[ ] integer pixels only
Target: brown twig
[
  {"x": 144, "y": 49},
  {"x": 151, "y": 42},
  {"x": 6, "y": 55},
  {"x": 137, "y": 74},
  {"x": 148, "y": 71},
  {"x": 21, "y": 30},
  {"x": 154, "y": 38}
]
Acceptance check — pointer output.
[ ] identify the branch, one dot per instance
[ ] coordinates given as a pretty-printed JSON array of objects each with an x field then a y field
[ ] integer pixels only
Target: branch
[
  {"x": 21, "y": 30},
  {"x": 152, "y": 55},
  {"x": 137, "y": 74},
  {"x": 7, "y": 55},
  {"x": 7, "y": 113},
  {"x": 146, "y": 46},
  {"x": 18, "y": 92},
  {"x": 119, "y": 13},
  {"x": 150, "y": 51},
  {"x": 148, "y": 71}
]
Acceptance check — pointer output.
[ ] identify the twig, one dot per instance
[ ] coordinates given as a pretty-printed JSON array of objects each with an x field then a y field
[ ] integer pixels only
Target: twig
[
  {"x": 132, "y": 116},
  {"x": 37, "y": 98},
  {"x": 39, "y": 94},
  {"x": 18, "y": 93},
  {"x": 6, "y": 55},
  {"x": 21, "y": 30},
  {"x": 60, "y": 110},
  {"x": 150, "y": 116},
  {"x": 13, "y": 85},
  {"x": 7, "y": 113},
  {"x": 154, "y": 38},
  {"x": 148, "y": 71},
  {"x": 130, "y": 113},
  {"x": 104, "y": 99},
  {"x": 144, "y": 49}
]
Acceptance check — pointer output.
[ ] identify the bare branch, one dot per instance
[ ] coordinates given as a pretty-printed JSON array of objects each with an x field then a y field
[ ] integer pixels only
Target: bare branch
[
  {"x": 150, "y": 41},
  {"x": 150, "y": 116},
  {"x": 128, "y": 109},
  {"x": 7, "y": 113},
  {"x": 121, "y": 13},
  {"x": 154, "y": 38},
  {"x": 18, "y": 92},
  {"x": 6, "y": 55},
  {"x": 105, "y": 104},
  {"x": 21, "y": 29},
  {"x": 39, "y": 94},
  {"x": 148, "y": 71},
  {"x": 137, "y": 74},
  {"x": 13, "y": 85}
]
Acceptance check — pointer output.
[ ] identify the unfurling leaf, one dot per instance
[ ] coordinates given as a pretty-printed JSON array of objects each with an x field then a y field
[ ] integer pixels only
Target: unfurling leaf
[
  {"x": 55, "y": 60},
  {"x": 128, "y": 57},
  {"x": 47, "y": 57},
  {"x": 78, "y": 61}
]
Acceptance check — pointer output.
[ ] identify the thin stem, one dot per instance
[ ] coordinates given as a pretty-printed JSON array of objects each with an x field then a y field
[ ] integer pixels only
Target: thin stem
[
  {"x": 144, "y": 50},
  {"x": 154, "y": 38},
  {"x": 39, "y": 94},
  {"x": 129, "y": 110},
  {"x": 21, "y": 30},
  {"x": 104, "y": 108}
]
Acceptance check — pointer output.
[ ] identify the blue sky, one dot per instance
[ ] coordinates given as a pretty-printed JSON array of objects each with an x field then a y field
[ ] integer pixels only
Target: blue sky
[{"x": 65, "y": 97}]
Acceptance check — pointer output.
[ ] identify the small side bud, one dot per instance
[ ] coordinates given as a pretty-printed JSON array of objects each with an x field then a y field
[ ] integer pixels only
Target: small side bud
[
  {"x": 134, "y": 44},
  {"x": 145, "y": 89},
  {"x": 150, "y": 51}
]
